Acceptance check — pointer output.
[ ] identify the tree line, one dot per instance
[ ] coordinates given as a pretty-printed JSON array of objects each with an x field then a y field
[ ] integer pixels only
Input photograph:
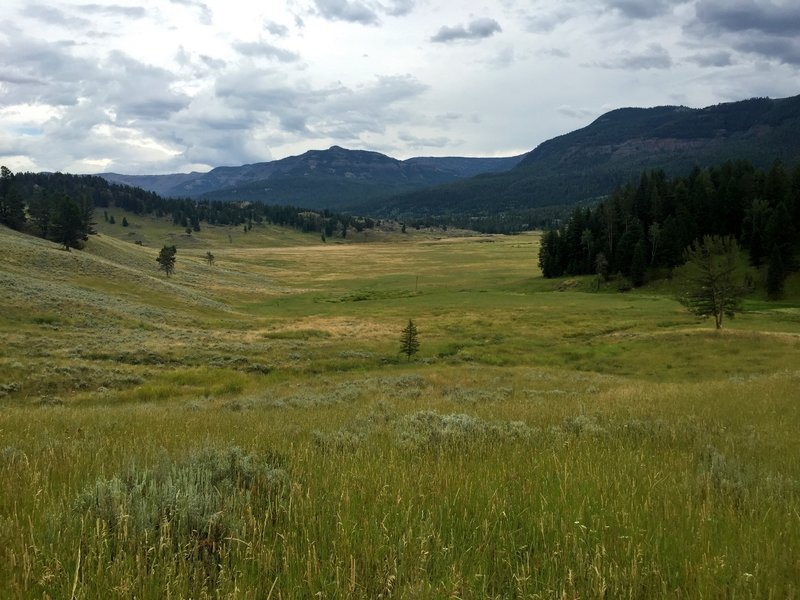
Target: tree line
[
  {"x": 60, "y": 207},
  {"x": 649, "y": 225}
]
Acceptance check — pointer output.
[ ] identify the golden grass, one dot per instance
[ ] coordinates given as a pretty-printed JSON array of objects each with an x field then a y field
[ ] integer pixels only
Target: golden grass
[{"x": 543, "y": 443}]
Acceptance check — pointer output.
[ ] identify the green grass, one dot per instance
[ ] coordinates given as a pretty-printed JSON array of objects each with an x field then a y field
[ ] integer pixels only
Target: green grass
[{"x": 543, "y": 443}]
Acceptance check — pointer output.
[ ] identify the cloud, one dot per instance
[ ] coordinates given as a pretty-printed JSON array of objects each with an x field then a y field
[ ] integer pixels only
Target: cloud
[
  {"x": 139, "y": 91},
  {"x": 654, "y": 57},
  {"x": 206, "y": 16},
  {"x": 129, "y": 12},
  {"x": 720, "y": 58},
  {"x": 556, "y": 52},
  {"x": 576, "y": 113},
  {"x": 346, "y": 10},
  {"x": 337, "y": 111},
  {"x": 644, "y": 9},
  {"x": 764, "y": 28},
  {"x": 54, "y": 16},
  {"x": 276, "y": 29},
  {"x": 264, "y": 50},
  {"x": 415, "y": 141},
  {"x": 784, "y": 49},
  {"x": 476, "y": 30},
  {"x": 43, "y": 72},
  {"x": 545, "y": 22},
  {"x": 398, "y": 8},
  {"x": 772, "y": 18}
]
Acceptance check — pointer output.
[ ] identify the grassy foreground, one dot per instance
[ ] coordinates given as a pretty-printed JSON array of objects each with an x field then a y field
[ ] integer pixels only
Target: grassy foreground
[{"x": 247, "y": 429}]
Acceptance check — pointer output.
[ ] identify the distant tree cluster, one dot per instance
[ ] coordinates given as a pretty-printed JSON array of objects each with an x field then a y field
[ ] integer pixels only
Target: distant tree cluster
[
  {"x": 53, "y": 199},
  {"x": 55, "y": 215},
  {"x": 649, "y": 226}
]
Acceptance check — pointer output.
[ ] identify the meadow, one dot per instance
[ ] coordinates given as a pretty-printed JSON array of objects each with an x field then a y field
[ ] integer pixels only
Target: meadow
[{"x": 249, "y": 429}]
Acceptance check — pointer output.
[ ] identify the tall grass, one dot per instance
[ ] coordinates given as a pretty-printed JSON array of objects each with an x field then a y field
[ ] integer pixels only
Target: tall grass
[{"x": 545, "y": 444}]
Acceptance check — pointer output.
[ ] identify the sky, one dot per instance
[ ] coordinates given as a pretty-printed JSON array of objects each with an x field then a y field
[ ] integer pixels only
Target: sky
[{"x": 169, "y": 86}]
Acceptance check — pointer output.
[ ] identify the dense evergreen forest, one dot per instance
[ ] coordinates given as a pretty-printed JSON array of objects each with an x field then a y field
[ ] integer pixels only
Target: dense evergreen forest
[
  {"x": 648, "y": 226},
  {"x": 61, "y": 207}
]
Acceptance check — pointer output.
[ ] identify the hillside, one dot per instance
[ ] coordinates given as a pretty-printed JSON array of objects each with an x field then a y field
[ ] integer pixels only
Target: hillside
[
  {"x": 615, "y": 149},
  {"x": 335, "y": 178},
  {"x": 249, "y": 425}
]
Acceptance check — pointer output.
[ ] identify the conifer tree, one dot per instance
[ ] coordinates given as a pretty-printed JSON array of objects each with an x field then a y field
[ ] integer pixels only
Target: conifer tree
[
  {"x": 67, "y": 228},
  {"x": 776, "y": 274},
  {"x": 12, "y": 208},
  {"x": 166, "y": 259},
  {"x": 639, "y": 264},
  {"x": 714, "y": 289},
  {"x": 409, "y": 343}
]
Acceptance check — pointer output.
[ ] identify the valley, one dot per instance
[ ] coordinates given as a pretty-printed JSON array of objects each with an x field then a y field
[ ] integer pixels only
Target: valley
[{"x": 249, "y": 428}]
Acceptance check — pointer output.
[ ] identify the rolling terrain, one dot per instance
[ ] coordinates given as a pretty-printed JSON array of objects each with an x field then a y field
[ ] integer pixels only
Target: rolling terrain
[
  {"x": 581, "y": 166},
  {"x": 586, "y": 164},
  {"x": 248, "y": 428},
  {"x": 333, "y": 179}
]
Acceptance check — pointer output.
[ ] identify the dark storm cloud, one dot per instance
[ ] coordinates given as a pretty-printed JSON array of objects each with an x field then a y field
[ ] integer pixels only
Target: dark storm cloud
[
  {"x": 476, "y": 30},
  {"x": 130, "y": 12},
  {"x": 781, "y": 18},
  {"x": 264, "y": 50},
  {"x": 654, "y": 57},
  {"x": 345, "y": 10},
  {"x": 644, "y": 9}
]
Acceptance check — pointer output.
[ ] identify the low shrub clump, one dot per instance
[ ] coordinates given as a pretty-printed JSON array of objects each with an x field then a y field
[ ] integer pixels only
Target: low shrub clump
[
  {"x": 193, "y": 506},
  {"x": 430, "y": 430}
]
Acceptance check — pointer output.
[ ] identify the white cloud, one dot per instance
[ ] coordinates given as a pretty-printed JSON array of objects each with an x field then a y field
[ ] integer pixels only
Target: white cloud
[{"x": 154, "y": 87}]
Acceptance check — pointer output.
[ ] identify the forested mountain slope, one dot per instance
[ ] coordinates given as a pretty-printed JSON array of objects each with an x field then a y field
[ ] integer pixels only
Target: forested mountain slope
[{"x": 613, "y": 150}]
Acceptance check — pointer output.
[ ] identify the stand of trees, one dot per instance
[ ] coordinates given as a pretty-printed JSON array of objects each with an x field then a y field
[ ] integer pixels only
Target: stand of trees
[
  {"x": 648, "y": 226},
  {"x": 45, "y": 204}
]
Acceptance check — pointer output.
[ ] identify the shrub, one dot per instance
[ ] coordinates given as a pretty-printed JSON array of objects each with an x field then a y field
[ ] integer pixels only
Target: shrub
[
  {"x": 196, "y": 504},
  {"x": 428, "y": 429}
]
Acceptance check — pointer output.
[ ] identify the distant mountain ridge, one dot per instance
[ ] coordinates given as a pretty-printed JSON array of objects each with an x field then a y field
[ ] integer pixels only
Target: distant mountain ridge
[
  {"x": 583, "y": 165},
  {"x": 613, "y": 150},
  {"x": 334, "y": 178}
]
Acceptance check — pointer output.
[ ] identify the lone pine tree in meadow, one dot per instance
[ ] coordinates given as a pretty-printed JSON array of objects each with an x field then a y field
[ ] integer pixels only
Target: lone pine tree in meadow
[
  {"x": 166, "y": 259},
  {"x": 409, "y": 343},
  {"x": 714, "y": 288}
]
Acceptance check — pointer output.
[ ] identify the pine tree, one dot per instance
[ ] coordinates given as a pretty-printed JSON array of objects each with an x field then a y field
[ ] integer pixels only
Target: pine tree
[
  {"x": 776, "y": 274},
  {"x": 67, "y": 228},
  {"x": 639, "y": 264},
  {"x": 714, "y": 289},
  {"x": 12, "y": 208},
  {"x": 409, "y": 344},
  {"x": 166, "y": 259}
]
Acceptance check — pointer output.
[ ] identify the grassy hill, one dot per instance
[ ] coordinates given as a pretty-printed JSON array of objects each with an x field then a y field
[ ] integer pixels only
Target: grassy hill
[{"x": 249, "y": 428}]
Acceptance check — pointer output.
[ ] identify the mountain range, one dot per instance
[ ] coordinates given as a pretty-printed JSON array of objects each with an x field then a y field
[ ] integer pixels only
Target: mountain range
[
  {"x": 579, "y": 166},
  {"x": 335, "y": 178}
]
